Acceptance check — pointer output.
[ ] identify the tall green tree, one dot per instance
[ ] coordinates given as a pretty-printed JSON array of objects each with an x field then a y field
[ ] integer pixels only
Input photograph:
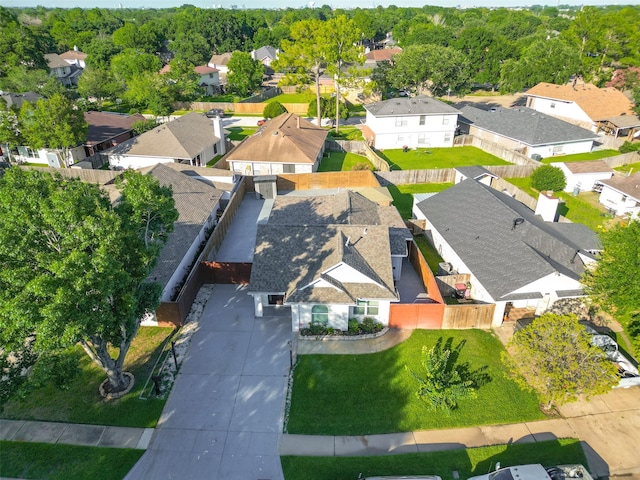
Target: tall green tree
[
  {"x": 151, "y": 91},
  {"x": 340, "y": 42},
  {"x": 614, "y": 283},
  {"x": 9, "y": 130},
  {"x": 99, "y": 84},
  {"x": 245, "y": 74},
  {"x": 304, "y": 56},
  {"x": 73, "y": 266},
  {"x": 552, "y": 61},
  {"x": 131, "y": 62},
  {"x": 53, "y": 123},
  {"x": 18, "y": 45},
  {"x": 554, "y": 356}
]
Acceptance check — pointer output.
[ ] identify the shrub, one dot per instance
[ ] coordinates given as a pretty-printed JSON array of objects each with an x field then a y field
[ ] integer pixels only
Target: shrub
[
  {"x": 630, "y": 147},
  {"x": 548, "y": 177},
  {"x": 354, "y": 326},
  {"x": 273, "y": 109},
  {"x": 362, "y": 166},
  {"x": 328, "y": 108},
  {"x": 369, "y": 325}
]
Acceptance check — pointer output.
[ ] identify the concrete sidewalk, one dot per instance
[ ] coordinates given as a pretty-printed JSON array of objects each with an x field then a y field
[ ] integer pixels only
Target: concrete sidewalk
[{"x": 75, "y": 434}]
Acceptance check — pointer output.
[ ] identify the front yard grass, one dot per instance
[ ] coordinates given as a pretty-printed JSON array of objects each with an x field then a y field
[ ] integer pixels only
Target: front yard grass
[
  {"x": 472, "y": 461},
  {"x": 65, "y": 462},
  {"x": 403, "y": 198},
  {"x": 81, "y": 402},
  {"x": 432, "y": 158},
  {"x": 240, "y": 133},
  {"x": 342, "y": 162},
  {"x": 375, "y": 393},
  {"x": 583, "y": 209},
  {"x": 582, "y": 157}
]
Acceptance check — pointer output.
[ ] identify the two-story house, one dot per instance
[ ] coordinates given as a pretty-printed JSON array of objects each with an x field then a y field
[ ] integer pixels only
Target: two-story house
[
  {"x": 64, "y": 71},
  {"x": 418, "y": 122}
]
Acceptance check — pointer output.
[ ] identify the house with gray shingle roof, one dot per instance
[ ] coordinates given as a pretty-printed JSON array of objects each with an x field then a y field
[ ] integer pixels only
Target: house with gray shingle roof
[
  {"x": 284, "y": 144},
  {"x": 328, "y": 258},
  {"x": 192, "y": 139},
  {"x": 417, "y": 122},
  {"x": 526, "y": 131},
  {"x": 515, "y": 258},
  {"x": 621, "y": 194},
  {"x": 197, "y": 203}
]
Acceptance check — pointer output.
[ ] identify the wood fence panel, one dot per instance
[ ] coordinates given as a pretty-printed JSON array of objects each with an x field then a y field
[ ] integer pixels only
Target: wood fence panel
[
  {"x": 512, "y": 171},
  {"x": 522, "y": 197},
  {"x": 416, "y": 315},
  {"x": 466, "y": 316},
  {"x": 406, "y": 177},
  {"x": 624, "y": 159},
  {"x": 226, "y": 273}
]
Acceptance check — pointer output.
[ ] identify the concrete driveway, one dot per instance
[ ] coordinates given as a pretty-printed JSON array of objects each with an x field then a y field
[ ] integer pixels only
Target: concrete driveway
[{"x": 224, "y": 416}]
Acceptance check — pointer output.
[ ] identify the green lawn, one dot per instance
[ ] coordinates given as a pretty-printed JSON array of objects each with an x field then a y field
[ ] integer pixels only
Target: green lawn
[
  {"x": 402, "y": 194},
  {"x": 472, "y": 461},
  {"x": 227, "y": 98},
  {"x": 429, "y": 253},
  {"x": 583, "y": 209},
  {"x": 375, "y": 393},
  {"x": 342, "y": 162},
  {"x": 65, "y": 462},
  {"x": 303, "y": 97},
  {"x": 240, "y": 133},
  {"x": 582, "y": 157},
  {"x": 346, "y": 133},
  {"x": 81, "y": 402},
  {"x": 634, "y": 167},
  {"x": 431, "y": 158}
]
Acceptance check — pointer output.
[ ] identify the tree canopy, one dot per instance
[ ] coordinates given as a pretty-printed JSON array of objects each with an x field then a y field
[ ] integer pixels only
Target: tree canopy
[
  {"x": 73, "y": 266},
  {"x": 554, "y": 356},
  {"x": 245, "y": 73}
]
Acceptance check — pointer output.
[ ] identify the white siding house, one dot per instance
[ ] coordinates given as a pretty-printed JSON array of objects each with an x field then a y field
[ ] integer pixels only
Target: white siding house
[
  {"x": 621, "y": 195},
  {"x": 418, "y": 122},
  {"x": 583, "y": 176}
]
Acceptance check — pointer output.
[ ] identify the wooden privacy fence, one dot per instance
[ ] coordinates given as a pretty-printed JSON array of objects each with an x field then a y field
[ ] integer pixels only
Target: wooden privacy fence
[
  {"x": 325, "y": 180},
  {"x": 359, "y": 147},
  {"x": 226, "y": 272},
  {"x": 494, "y": 149},
  {"x": 241, "y": 108},
  {"x": 404, "y": 177},
  {"x": 470, "y": 315},
  {"x": 522, "y": 197}
]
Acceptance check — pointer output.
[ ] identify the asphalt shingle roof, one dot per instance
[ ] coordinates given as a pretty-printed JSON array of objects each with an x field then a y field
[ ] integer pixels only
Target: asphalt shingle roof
[
  {"x": 478, "y": 223},
  {"x": 628, "y": 185},
  {"x": 106, "y": 125},
  {"x": 420, "y": 105},
  {"x": 183, "y": 138},
  {"x": 595, "y": 166},
  {"x": 524, "y": 125}
]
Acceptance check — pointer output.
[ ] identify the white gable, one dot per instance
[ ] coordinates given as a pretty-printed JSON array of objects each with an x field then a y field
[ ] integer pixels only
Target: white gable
[{"x": 346, "y": 274}]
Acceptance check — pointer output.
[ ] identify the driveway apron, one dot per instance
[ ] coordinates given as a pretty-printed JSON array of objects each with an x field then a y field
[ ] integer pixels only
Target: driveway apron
[{"x": 224, "y": 415}]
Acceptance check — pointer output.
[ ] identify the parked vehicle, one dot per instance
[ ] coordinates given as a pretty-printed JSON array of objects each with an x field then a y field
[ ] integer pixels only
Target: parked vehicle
[
  {"x": 410, "y": 477},
  {"x": 215, "y": 112},
  {"x": 261, "y": 122},
  {"x": 536, "y": 472},
  {"x": 627, "y": 368}
]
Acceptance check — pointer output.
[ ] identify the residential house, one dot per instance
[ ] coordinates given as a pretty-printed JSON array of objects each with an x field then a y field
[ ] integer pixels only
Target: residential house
[
  {"x": 266, "y": 56},
  {"x": 580, "y": 103},
  {"x": 192, "y": 139},
  {"x": 514, "y": 257},
  {"x": 14, "y": 101},
  {"x": 64, "y": 71},
  {"x": 584, "y": 176},
  {"x": 209, "y": 77},
  {"x": 328, "y": 258},
  {"x": 75, "y": 57},
  {"x": 526, "y": 131},
  {"x": 621, "y": 194},
  {"x": 108, "y": 129},
  {"x": 219, "y": 62},
  {"x": 418, "y": 122},
  {"x": 285, "y": 144},
  {"x": 374, "y": 57},
  {"x": 197, "y": 203}
]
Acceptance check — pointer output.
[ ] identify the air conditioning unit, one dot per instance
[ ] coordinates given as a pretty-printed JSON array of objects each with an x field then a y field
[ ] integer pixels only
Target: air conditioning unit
[
  {"x": 445, "y": 268},
  {"x": 536, "y": 156}
]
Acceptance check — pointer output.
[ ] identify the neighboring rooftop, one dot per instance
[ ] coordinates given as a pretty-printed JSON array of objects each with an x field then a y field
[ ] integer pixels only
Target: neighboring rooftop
[
  {"x": 220, "y": 60},
  {"x": 524, "y": 125},
  {"x": 382, "y": 54},
  {"x": 284, "y": 139},
  {"x": 597, "y": 103},
  {"x": 627, "y": 185},
  {"x": 55, "y": 61},
  {"x": 474, "y": 172},
  {"x": 182, "y": 138},
  {"x": 73, "y": 55},
  {"x": 594, "y": 166},
  {"x": 106, "y": 125},
  {"x": 420, "y": 105},
  {"x": 264, "y": 52},
  {"x": 15, "y": 100},
  {"x": 479, "y": 223}
]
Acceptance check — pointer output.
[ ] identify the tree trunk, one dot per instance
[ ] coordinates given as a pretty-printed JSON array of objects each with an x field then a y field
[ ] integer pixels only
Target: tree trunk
[
  {"x": 117, "y": 381},
  {"x": 337, "y": 105},
  {"x": 317, "y": 75}
]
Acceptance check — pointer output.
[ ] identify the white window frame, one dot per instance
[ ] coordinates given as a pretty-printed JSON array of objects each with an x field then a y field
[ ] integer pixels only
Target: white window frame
[
  {"x": 401, "y": 121},
  {"x": 366, "y": 308}
]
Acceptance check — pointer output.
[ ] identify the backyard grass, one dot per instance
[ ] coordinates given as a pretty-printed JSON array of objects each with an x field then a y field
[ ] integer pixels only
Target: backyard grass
[
  {"x": 633, "y": 167},
  {"x": 429, "y": 253},
  {"x": 303, "y": 97},
  {"x": 240, "y": 133},
  {"x": 403, "y": 198},
  {"x": 214, "y": 160},
  {"x": 472, "y": 461},
  {"x": 346, "y": 133},
  {"x": 376, "y": 393},
  {"x": 582, "y": 157},
  {"x": 432, "y": 158},
  {"x": 65, "y": 462},
  {"x": 342, "y": 162},
  {"x": 81, "y": 402},
  {"x": 583, "y": 209}
]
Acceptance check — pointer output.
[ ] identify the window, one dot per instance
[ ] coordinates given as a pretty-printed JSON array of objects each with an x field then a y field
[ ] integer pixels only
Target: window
[
  {"x": 401, "y": 122},
  {"x": 445, "y": 121},
  {"x": 276, "y": 299},
  {"x": 320, "y": 314},
  {"x": 401, "y": 139},
  {"x": 215, "y": 148},
  {"x": 553, "y": 105},
  {"x": 364, "y": 307},
  {"x": 557, "y": 149},
  {"x": 423, "y": 138},
  {"x": 288, "y": 168},
  {"x": 447, "y": 137},
  {"x": 423, "y": 119}
]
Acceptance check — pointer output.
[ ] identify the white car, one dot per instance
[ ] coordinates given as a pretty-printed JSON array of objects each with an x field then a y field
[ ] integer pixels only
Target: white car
[
  {"x": 536, "y": 472},
  {"x": 627, "y": 369}
]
